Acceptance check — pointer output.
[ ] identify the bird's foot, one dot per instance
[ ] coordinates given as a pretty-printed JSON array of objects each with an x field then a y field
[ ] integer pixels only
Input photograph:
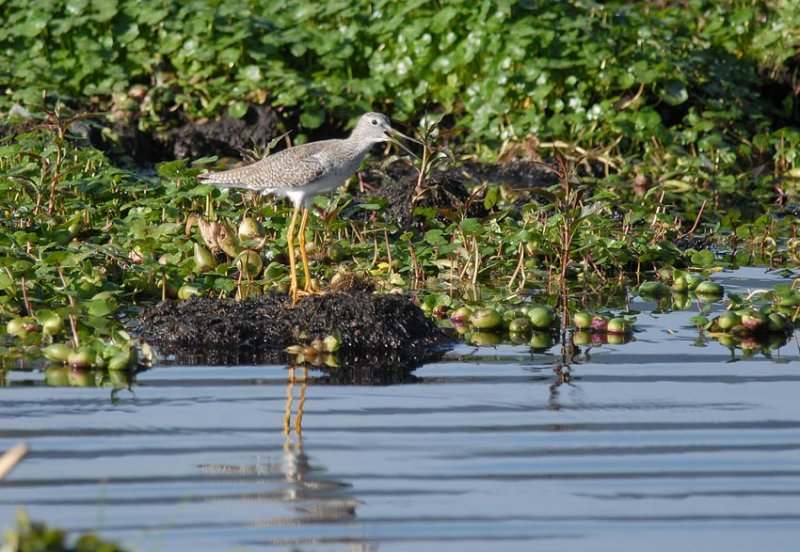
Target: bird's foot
[
  {"x": 299, "y": 294},
  {"x": 309, "y": 291}
]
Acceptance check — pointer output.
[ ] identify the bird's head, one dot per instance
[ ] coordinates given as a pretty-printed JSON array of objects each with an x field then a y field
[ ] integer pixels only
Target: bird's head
[{"x": 375, "y": 128}]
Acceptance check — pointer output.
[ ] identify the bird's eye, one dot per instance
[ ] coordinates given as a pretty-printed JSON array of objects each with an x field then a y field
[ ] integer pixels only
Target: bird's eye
[{"x": 374, "y": 122}]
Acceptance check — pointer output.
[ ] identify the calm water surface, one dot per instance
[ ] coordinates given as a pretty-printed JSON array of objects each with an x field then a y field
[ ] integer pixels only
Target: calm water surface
[{"x": 657, "y": 444}]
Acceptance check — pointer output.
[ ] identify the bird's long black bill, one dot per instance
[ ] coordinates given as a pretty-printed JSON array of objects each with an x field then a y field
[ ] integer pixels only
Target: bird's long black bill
[{"x": 394, "y": 140}]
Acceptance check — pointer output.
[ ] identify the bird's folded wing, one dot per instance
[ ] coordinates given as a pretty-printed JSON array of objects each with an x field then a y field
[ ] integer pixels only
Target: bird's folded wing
[{"x": 292, "y": 168}]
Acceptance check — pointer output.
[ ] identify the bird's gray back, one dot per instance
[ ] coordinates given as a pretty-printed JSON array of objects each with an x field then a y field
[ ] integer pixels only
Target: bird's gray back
[{"x": 290, "y": 168}]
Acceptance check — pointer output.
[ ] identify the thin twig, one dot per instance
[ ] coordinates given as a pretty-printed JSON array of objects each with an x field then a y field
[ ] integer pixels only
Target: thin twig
[
  {"x": 25, "y": 297},
  {"x": 696, "y": 220},
  {"x": 477, "y": 260},
  {"x": 11, "y": 458},
  {"x": 417, "y": 270},
  {"x": 388, "y": 249},
  {"x": 72, "y": 323},
  {"x": 518, "y": 269}
]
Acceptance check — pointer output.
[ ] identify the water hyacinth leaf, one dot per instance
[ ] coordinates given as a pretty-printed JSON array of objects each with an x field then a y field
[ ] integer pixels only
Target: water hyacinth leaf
[
  {"x": 102, "y": 304},
  {"x": 434, "y": 237},
  {"x": 491, "y": 198},
  {"x": 471, "y": 226},
  {"x": 370, "y": 206},
  {"x": 171, "y": 169},
  {"x": 312, "y": 118},
  {"x": 7, "y": 284},
  {"x": 673, "y": 92},
  {"x": 238, "y": 109},
  {"x": 704, "y": 259},
  {"x": 120, "y": 337}
]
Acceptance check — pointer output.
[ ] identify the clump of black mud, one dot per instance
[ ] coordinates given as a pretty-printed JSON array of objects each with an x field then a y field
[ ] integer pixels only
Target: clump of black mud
[
  {"x": 452, "y": 192},
  {"x": 224, "y": 136},
  {"x": 398, "y": 187},
  {"x": 383, "y": 337}
]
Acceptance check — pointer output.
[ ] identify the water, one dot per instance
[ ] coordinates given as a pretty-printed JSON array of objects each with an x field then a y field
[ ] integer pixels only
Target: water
[{"x": 653, "y": 445}]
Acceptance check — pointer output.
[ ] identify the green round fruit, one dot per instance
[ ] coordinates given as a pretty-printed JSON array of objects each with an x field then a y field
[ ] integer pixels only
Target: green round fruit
[
  {"x": 542, "y": 317},
  {"x": 188, "y": 290},
  {"x": 653, "y": 289},
  {"x": 511, "y": 314},
  {"x": 18, "y": 327},
  {"x": 203, "y": 259},
  {"x": 51, "y": 322},
  {"x": 485, "y": 319},
  {"x": 618, "y": 326},
  {"x": 709, "y": 289},
  {"x": 57, "y": 352},
  {"x": 581, "y": 338},
  {"x": 728, "y": 320},
  {"x": 582, "y": 320},
  {"x": 56, "y": 375},
  {"x": 680, "y": 284},
  {"x": 541, "y": 340},
  {"x": 121, "y": 360},
  {"x": 251, "y": 229},
  {"x": 485, "y": 339},
  {"x": 249, "y": 263},
  {"x": 461, "y": 315},
  {"x": 81, "y": 358},
  {"x": 519, "y": 325},
  {"x": 777, "y": 323}
]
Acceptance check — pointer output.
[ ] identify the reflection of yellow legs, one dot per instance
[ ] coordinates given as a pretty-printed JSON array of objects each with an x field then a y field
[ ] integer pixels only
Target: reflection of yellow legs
[{"x": 287, "y": 418}]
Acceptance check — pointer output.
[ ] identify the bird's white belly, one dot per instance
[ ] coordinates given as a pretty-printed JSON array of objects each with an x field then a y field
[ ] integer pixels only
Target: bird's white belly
[{"x": 304, "y": 195}]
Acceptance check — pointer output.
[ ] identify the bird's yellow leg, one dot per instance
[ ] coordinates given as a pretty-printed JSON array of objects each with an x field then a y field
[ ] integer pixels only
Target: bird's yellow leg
[
  {"x": 292, "y": 264},
  {"x": 308, "y": 289},
  {"x": 306, "y": 271}
]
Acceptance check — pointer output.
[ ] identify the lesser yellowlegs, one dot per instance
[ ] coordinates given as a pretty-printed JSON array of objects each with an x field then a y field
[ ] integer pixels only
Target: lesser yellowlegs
[{"x": 302, "y": 172}]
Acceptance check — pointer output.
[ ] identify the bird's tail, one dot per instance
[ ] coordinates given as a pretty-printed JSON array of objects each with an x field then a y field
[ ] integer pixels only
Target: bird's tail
[{"x": 233, "y": 178}]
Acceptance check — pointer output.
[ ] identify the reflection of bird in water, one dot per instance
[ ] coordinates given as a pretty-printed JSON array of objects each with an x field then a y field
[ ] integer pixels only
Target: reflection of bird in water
[
  {"x": 287, "y": 419},
  {"x": 295, "y": 465},
  {"x": 294, "y": 481}
]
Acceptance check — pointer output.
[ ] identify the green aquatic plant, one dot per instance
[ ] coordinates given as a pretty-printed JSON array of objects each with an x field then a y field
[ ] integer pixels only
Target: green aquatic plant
[
  {"x": 30, "y": 536},
  {"x": 698, "y": 96}
]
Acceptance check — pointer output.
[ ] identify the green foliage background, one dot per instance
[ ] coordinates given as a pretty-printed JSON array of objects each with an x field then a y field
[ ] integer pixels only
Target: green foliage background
[{"x": 638, "y": 75}]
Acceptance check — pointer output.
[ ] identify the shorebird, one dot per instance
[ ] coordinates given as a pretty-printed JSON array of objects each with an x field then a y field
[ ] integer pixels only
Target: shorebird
[{"x": 302, "y": 172}]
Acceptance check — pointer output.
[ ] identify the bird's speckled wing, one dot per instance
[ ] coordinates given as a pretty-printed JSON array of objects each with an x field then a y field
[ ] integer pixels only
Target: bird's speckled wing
[{"x": 291, "y": 168}]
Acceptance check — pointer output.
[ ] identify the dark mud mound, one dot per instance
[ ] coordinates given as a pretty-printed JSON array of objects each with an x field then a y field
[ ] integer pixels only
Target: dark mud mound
[
  {"x": 378, "y": 333},
  {"x": 206, "y": 324},
  {"x": 518, "y": 174},
  {"x": 447, "y": 191},
  {"x": 451, "y": 191},
  {"x": 226, "y": 136}
]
